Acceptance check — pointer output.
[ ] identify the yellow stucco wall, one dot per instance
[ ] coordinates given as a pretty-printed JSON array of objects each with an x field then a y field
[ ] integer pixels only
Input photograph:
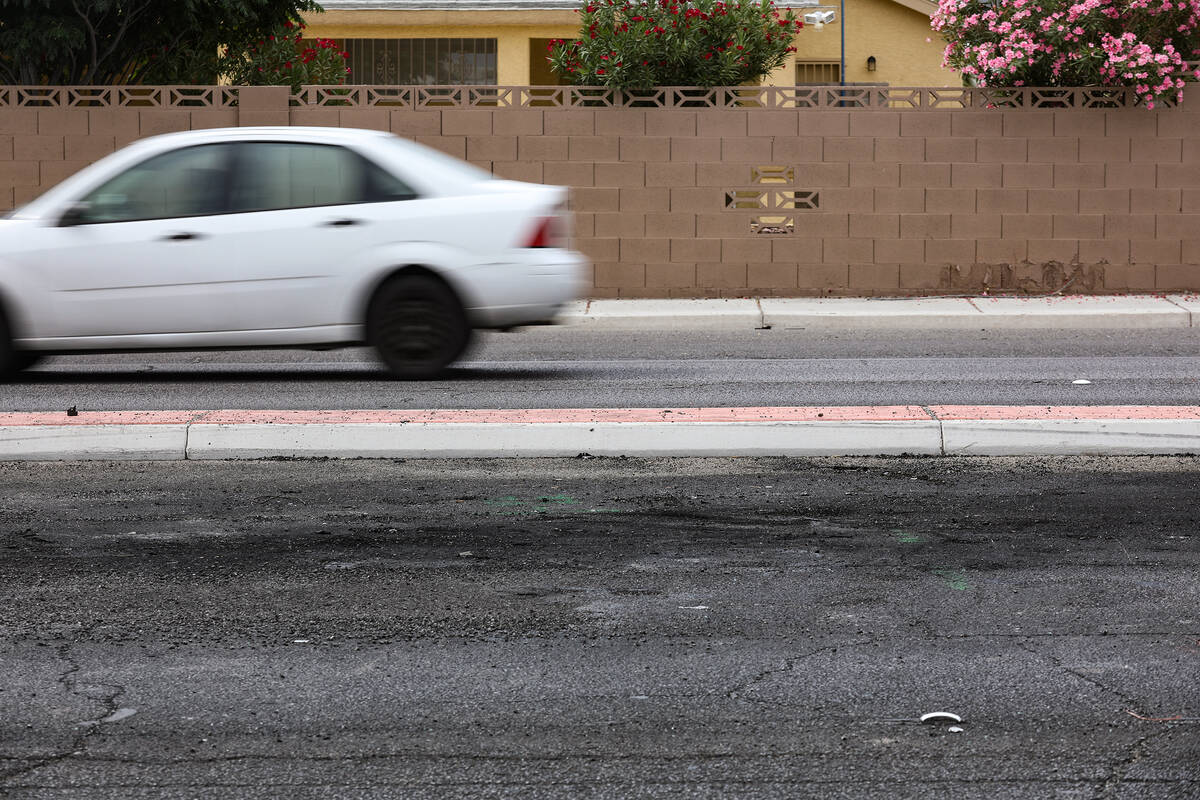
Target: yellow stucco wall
[
  {"x": 894, "y": 34},
  {"x": 512, "y": 31}
]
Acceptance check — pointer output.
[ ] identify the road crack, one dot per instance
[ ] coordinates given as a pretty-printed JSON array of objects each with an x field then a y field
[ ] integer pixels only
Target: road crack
[
  {"x": 788, "y": 665},
  {"x": 105, "y": 694},
  {"x": 1129, "y": 701},
  {"x": 1120, "y": 770}
]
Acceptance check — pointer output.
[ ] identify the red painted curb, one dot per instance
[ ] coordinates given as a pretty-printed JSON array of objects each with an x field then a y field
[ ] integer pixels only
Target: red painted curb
[{"x": 600, "y": 415}]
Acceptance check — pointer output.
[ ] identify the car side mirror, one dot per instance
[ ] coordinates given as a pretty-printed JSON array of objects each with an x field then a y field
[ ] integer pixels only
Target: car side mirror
[{"x": 76, "y": 214}]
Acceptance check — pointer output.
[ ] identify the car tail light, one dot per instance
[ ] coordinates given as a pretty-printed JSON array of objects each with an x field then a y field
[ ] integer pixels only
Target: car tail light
[{"x": 550, "y": 232}]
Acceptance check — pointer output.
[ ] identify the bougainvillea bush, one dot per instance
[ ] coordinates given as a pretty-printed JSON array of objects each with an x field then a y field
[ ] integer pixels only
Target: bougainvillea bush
[
  {"x": 640, "y": 44},
  {"x": 287, "y": 58},
  {"x": 1139, "y": 43}
]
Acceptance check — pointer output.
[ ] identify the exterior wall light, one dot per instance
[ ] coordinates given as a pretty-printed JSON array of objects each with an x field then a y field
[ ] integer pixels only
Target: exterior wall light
[{"x": 870, "y": 63}]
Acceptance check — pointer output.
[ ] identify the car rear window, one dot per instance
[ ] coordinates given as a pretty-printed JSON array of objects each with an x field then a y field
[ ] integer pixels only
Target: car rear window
[
  {"x": 281, "y": 175},
  {"x": 275, "y": 175},
  {"x": 434, "y": 165}
]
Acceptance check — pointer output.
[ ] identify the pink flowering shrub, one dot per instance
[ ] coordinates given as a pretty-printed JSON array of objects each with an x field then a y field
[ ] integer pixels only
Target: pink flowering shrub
[
  {"x": 640, "y": 44},
  {"x": 1143, "y": 44},
  {"x": 287, "y": 58}
]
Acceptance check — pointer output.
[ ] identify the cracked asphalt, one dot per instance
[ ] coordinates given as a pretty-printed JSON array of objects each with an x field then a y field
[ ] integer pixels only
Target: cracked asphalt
[{"x": 601, "y": 628}]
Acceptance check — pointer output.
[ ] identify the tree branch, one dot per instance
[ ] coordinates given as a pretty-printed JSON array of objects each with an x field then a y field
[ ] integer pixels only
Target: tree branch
[
  {"x": 93, "y": 47},
  {"x": 117, "y": 39}
]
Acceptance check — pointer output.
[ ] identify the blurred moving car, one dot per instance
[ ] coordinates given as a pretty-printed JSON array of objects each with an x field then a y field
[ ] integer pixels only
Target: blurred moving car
[{"x": 281, "y": 237}]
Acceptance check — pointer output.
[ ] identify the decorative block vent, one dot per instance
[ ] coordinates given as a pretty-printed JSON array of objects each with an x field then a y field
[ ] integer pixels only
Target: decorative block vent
[
  {"x": 458, "y": 96},
  {"x": 772, "y": 225},
  {"x": 796, "y": 199},
  {"x": 741, "y": 198},
  {"x": 769, "y": 173}
]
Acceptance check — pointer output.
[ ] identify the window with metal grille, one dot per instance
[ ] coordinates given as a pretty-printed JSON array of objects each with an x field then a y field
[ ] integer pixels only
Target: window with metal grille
[
  {"x": 421, "y": 62},
  {"x": 818, "y": 73}
]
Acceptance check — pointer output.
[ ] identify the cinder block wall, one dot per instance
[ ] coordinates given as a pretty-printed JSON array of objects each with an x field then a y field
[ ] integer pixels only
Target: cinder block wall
[{"x": 674, "y": 202}]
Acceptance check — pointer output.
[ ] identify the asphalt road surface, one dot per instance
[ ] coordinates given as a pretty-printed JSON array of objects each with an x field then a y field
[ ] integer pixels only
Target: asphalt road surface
[
  {"x": 601, "y": 628},
  {"x": 578, "y": 368}
]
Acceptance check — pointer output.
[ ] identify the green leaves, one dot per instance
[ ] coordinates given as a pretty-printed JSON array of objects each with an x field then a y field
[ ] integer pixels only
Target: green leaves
[
  {"x": 286, "y": 58},
  {"x": 73, "y": 42},
  {"x": 640, "y": 44}
]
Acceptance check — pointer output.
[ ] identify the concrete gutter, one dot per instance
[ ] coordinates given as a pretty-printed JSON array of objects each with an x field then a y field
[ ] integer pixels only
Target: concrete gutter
[
  {"x": 935, "y": 313},
  {"x": 534, "y": 433}
]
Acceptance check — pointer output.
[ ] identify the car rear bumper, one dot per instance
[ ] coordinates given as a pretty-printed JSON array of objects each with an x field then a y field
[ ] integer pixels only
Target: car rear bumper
[{"x": 531, "y": 292}]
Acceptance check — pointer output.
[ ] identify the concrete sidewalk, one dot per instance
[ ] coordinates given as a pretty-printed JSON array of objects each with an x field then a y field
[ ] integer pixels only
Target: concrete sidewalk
[
  {"x": 937, "y": 313},
  {"x": 644, "y": 432}
]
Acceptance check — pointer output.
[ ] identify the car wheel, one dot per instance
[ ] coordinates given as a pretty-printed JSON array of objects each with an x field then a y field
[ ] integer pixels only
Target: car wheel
[
  {"x": 9, "y": 361},
  {"x": 13, "y": 361},
  {"x": 417, "y": 326},
  {"x": 24, "y": 359}
]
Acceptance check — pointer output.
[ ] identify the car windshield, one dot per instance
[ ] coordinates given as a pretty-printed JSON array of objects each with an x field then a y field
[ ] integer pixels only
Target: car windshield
[{"x": 453, "y": 168}]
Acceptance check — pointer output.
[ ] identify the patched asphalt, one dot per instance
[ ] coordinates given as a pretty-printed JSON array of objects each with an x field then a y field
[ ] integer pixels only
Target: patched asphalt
[{"x": 601, "y": 628}]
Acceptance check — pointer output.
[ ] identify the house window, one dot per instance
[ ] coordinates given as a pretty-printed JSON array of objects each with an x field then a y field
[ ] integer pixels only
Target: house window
[
  {"x": 540, "y": 73},
  {"x": 818, "y": 73},
  {"x": 421, "y": 62}
]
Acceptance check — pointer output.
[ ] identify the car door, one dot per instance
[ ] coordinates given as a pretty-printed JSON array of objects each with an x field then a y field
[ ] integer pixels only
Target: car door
[
  {"x": 303, "y": 214},
  {"x": 143, "y": 253}
]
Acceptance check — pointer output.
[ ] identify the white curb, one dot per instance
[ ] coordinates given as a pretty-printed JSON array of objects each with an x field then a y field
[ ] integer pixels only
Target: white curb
[
  {"x": 982, "y": 437},
  {"x": 1190, "y": 303},
  {"x": 1081, "y": 312},
  {"x": 626, "y": 315},
  {"x": 925, "y": 314},
  {"x": 93, "y": 442},
  {"x": 525, "y": 440},
  {"x": 1071, "y": 437},
  {"x": 1072, "y": 312}
]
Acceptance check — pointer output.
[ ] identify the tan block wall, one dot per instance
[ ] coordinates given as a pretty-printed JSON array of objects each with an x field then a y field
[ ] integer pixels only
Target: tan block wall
[{"x": 676, "y": 202}]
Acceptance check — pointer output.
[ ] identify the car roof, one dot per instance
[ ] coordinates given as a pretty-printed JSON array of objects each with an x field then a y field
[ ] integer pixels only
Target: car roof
[
  {"x": 285, "y": 132},
  {"x": 442, "y": 173}
]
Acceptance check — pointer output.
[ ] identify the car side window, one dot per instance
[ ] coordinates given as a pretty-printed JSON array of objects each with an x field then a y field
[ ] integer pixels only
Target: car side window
[
  {"x": 281, "y": 175},
  {"x": 384, "y": 187},
  {"x": 189, "y": 182}
]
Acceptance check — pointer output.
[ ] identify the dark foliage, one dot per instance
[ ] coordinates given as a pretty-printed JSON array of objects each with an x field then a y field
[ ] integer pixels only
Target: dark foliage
[{"x": 100, "y": 42}]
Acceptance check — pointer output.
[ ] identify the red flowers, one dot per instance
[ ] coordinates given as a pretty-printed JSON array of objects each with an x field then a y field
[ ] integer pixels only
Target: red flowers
[{"x": 284, "y": 57}]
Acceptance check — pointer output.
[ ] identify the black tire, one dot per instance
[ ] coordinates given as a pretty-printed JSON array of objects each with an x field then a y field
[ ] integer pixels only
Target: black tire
[
  {"x": 9, "y": 357},
  {"x": 418, "y": 326},
  {"x": 24, "y": 359}
]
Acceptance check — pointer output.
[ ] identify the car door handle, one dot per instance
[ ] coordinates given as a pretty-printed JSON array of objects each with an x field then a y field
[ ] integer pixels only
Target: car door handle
[
  {"x": 182, "y": 236},
  {"x": 343, "y": 223}
]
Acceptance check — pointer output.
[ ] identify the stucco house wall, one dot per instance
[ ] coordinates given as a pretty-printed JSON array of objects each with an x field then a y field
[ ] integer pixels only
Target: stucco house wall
[{"x": 895, "y": 32}]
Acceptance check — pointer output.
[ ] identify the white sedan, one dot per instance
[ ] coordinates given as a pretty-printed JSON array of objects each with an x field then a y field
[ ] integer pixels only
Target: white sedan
[{"x": 281, "y": 237}]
